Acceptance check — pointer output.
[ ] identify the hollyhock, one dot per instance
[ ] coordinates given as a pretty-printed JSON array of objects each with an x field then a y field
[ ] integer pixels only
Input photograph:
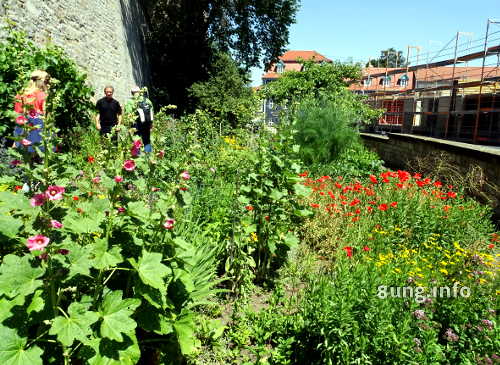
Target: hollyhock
[
  {"x": 15, "y": 162},
  {"x": 120, "y": 209},
  {"x": 38, "y": 242},
  {"x": 129, "y": 165},
  {"x": 63, "y": 251},
  {"x": 55, "y": 224},
  {"x": 160, "y": 154},
  {"x": 169, "y": 223},
  {"x": 118, "y": 179},
  {"x": 37, "y": 200},
  {"x": 185, "y": 175},
  {"x": 183, "y": 188},
  {"x": 26, "y": 142},
  {"x": 96, "y": 180},
  {"x": 54, "y": 192},
  {"x": 21, "y": 120},
  {"x": 136, "y": 148}
]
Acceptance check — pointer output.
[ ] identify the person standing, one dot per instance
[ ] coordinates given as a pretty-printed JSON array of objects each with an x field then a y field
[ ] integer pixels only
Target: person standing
[
  {"x": 30, "y": 108},
  {"x": 142, "y": 109},
  {"x": 110, "y": 112}
]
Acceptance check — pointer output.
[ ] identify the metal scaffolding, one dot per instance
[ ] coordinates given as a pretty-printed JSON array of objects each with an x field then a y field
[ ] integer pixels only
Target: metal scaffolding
[{"x": 444, "y": 97}]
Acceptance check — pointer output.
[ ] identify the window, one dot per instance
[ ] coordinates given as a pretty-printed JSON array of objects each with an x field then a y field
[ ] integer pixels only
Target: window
[
  {"x": 280, "y": 67},
  {"x": 367, "y": 82},
  {"x": 403, "y": 80},
  {"x": 385, "y": 81}
]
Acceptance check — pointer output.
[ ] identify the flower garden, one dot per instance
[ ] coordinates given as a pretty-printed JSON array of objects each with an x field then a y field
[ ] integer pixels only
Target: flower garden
[{"x": 231, "y": 247}]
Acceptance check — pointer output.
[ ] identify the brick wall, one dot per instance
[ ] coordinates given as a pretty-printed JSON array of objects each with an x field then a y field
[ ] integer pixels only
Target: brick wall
[{"x": 104, "y": 37}]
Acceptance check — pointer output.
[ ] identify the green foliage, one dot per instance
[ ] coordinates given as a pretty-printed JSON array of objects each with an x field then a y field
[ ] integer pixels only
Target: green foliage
[
  {"x": 388, "y": 58},
  {"x": 253, "y": 31},
  {"x": 324, "y": 129},
  {"x": 225, "y": 95},
  {"x": 69, "y": 96}
]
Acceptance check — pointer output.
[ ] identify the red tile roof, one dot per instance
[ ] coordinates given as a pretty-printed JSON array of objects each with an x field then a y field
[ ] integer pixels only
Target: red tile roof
[{"x": 291, "y": 62}]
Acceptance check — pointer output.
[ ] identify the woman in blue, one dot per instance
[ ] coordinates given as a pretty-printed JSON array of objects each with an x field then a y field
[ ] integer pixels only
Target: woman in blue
[{"x": 30, "y": 106}]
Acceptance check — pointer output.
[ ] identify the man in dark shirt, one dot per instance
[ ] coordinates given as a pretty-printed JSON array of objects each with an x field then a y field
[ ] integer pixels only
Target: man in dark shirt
[{"x": 110, "y": 112}]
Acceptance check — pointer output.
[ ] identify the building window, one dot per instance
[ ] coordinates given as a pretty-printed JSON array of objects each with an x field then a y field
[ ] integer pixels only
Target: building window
[
  {"x": 280, "y": 67},
  {"x": 403, "y": 80},
  {"x": 385, "y": 81},
  {"x": 367, "y": 82}
]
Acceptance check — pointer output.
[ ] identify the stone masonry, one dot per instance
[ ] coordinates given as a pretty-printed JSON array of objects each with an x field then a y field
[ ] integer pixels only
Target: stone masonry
[{"x": 104, "y": 37}]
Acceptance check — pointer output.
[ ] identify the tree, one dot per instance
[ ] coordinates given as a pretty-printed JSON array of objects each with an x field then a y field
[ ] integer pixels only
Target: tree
[
  {"x": 225, "y": 95},
  {"x": 389, "y": 58},
  {"x": 185, "y": 36}
]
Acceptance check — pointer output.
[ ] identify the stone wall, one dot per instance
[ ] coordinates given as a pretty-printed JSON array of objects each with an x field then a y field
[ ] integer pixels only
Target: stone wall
[
  {"x": 400, "y": 151},
  {"x": 104, "y": 37}
]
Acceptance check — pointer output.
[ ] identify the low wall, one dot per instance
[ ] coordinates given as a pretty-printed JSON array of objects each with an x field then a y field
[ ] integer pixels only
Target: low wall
[{"x": 400, "y": 151}]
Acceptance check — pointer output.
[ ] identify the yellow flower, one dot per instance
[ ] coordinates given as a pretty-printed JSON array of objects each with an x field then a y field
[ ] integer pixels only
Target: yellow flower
[
  {"x": 482, "y": 281},
  {"x": 430, "y": 266},
  {"x": 397, "y": 229},
  {"x": 443, "y": 263},
  {"x": 397, "y": 270},
  {"x": 254, "y": 237},
  {"x": 444, "y": 271},
  {"x": 101, "y": 196}
]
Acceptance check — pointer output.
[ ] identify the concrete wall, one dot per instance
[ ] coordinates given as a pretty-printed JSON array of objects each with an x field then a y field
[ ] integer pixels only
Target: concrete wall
[{"x": 104, "y": 37}]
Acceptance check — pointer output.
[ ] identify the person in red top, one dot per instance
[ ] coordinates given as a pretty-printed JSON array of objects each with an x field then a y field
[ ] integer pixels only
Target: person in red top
[{"x": 30, "y": 107}]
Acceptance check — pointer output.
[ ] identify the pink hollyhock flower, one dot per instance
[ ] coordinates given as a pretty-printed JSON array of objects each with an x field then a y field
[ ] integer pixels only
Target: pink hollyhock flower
[
  {"x": 120, "y": 209},
  {"x": 55, "y": 224},
  {"x": 118, "y": 179},
  {"x": 15, "y": 162},
  {"x": 25, "y": 142},
  {"x": 134, "y": 151},
  {"x": 21, "y": 120},
  {"x": 169, "y": 223},
  {"x": 137, "y": 144},
  {"x": 129, "y": 165},
  {"x": 96, "y": 180},
  {"x": 33, "y": 113},
  {"x": 38, "y": 242},
  {"x": 63, "y": 251},
  {"x": 37, "y": 200},
  {"x": 54, "y": 192},
  {"x": 185, "y": 175}
]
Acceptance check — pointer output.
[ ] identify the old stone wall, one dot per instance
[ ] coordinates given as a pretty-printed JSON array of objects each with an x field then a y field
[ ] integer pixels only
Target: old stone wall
[{"x": 104, "y": 37}]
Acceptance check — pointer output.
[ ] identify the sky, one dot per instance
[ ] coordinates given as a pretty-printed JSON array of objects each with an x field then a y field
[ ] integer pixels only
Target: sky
[{"x": 357, "y": 30}]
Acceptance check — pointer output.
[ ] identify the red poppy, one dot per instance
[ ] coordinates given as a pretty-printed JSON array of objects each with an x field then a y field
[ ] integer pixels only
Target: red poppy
[
  {"x": 314, "y": 205},
  {"x": 373, "y": 179},
  {"x": 75, "y": 198},
  {"x": 446, "y": 208},
  {"x": 267, "y": 218},
  {"x": 399, "y": 185},
  {"x": 369, "y": 209},
  {"x": 304, "y": 174},
  {"x": 357, "y": 211},
  {"x": 183, "y": 188},
  {"x": 438, "y": 184},
  {"x": 452, "y": 194},
  {"x": 249, "y": 207},
  {"x": 348, "y": 250},
  {"x": 354, "y": 202},
  {"x": 331, "y": 195},
  {"x": 17, "y": 187},
  {"x": 366, "y": 248},
  {"x": 355, "y": 219},
  {"x": 90, "y": 159},
  {"x": 382, "y": 207},
  {"x": 491, "y": 246},
  {"x": 394, "y": 204},
  {"x": 338, "y": 185}
]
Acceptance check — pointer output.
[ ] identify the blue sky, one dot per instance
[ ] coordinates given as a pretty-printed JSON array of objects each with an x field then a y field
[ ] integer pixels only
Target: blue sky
[{"x": 359, "y": 29}]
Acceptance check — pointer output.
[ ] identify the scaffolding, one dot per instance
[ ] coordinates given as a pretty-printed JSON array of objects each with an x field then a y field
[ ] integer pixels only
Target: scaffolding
[{"x": 445, "y": 97}]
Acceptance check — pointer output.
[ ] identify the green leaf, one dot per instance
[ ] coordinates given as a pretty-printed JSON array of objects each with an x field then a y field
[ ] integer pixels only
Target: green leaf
[
  {"x": 116, "y": 315},
  {"x": 104, "y": 258},
  {"x": 138, "y": 210},
  {"x": 291, "y": 240},
  {"x": 6, "y": 305},
  {"x": 18, "y": 277},
  {"x": 37, "y": 303},
  {"x": 76, "y": 223},
  {"x": 13, "y": 351},
  {"x": 185, "y": 331},
  {"x": 108, "y": 352},
  {"x": 9, "y": 226},
  {"x": 186, "y": 197},
  {"x": 151, "y": 270},
  {"x": 301, "y": 190},
  {"x": 79, "y": 259},
  {"x": 276, "y": 194},
  {"x": 77, "y": 326}
]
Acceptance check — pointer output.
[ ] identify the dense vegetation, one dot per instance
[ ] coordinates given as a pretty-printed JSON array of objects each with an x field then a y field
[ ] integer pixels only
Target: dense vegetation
[{"x": 282, "y": 245}]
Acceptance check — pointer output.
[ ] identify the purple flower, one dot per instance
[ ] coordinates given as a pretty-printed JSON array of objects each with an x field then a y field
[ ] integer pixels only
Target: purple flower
[
  {"x": 55, "y": 224},
  {"x": 419, "y": 314},
  {"x": 185, "y": 175},
  {"x": 487, "y": 323},
  {"x": 37, "y": 200}
]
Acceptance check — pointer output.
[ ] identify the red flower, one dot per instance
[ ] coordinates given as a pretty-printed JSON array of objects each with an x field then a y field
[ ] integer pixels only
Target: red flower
[
  {"x": 452, "y": 194},
  {"x": 17, "y": 187},
  {"x": 354, "y": 202},
  {"x": 491, "y": 246},
  {"x": 438, "y": 184},
  {"x": 314, "y": 205},
  {"x": 369, "y": 209},
  {"x": 338, "y": 185},
  {"x": 446, "y": 208},
  {"x": 90, "y": 159},
  {"x": 267, "y": 218},
  {"x": 304, "y": 174},
  {"x": 183, "y": 188},
  {"x": 355, "y": 219},
  {"x": 366, "y": 248},
  {"x": 75, "y": 198},
  {"x": 249, "y": 208},
  {"x": 394, "y": 204},
  {"x": 373, "y": 179},
  {"x": 382, "y": 207},
  {"x": 348, "y": 250}
]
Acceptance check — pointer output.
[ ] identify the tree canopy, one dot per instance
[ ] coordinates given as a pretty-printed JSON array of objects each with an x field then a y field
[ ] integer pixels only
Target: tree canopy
[
  {"x": 389, "y": 58},
  {"x": 185, "y": 35}
]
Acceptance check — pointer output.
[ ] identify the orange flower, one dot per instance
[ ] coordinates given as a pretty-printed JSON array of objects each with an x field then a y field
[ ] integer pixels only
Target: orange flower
[{"x": 249, "y": 207}]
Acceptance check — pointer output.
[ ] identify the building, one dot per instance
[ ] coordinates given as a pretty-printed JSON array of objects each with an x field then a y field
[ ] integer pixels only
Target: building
[
  {"x": 455, "y": 102},
  {"x": 289, "y": 61}
]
